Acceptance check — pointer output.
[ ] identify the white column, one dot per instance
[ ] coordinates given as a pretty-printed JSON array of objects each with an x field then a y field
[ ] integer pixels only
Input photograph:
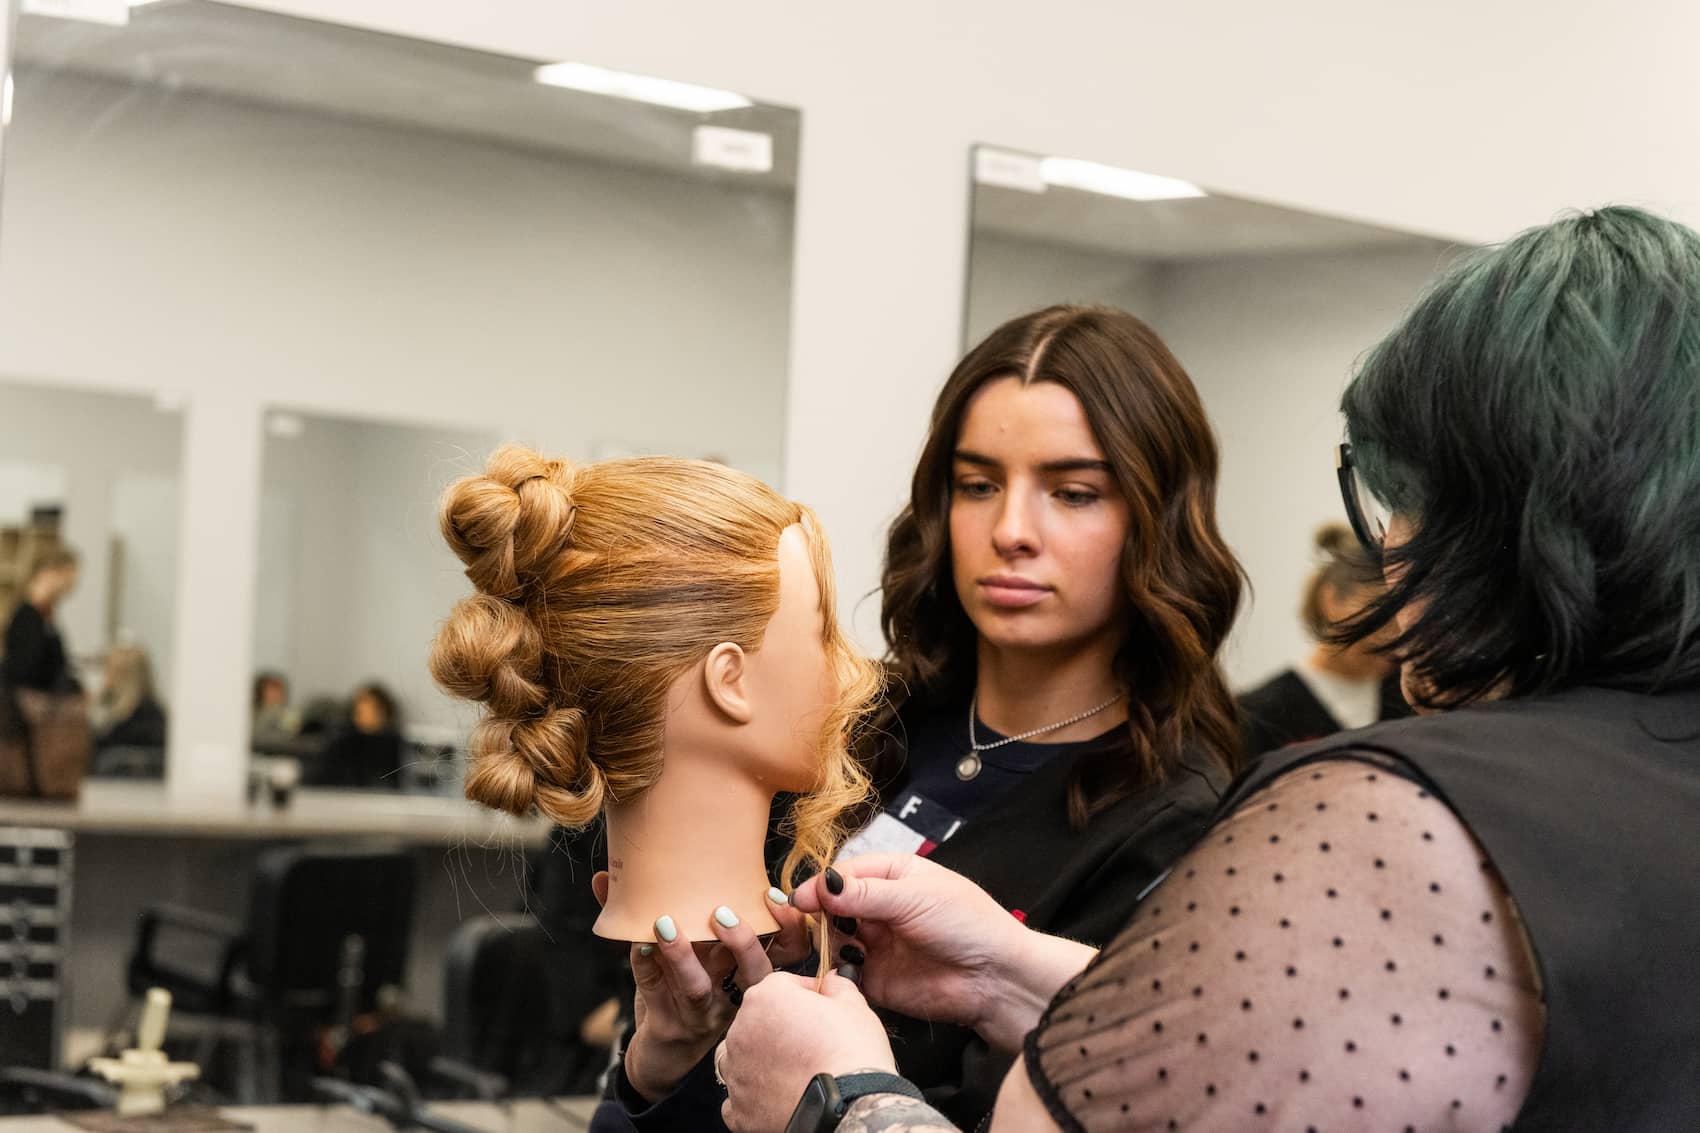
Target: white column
[
  {"x": 208, "y": 756},
  {"x": 876, "y": 324}
]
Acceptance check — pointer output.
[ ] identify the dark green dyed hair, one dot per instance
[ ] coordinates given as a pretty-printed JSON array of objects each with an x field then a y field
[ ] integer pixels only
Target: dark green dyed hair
[{"x": 1536, "y": 417}]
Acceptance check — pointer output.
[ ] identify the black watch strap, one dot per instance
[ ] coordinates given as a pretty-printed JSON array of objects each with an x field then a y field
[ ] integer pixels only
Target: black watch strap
[
  {"x": 853, "y": 1086},
  {"x": 826, "y": 1098}
]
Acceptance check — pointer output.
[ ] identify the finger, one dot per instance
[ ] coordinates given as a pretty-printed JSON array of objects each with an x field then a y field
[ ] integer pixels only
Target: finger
[
  {"x": 646, "y": 973},
  {"x": 793, "y": 942},
  {"x": 744, "y": 946},
  {"x": 840, "y": 986},
  {"x": 686, "y": 978},
  {"x": 880, "y": 867},
  {"x": 599, "y": 886}
]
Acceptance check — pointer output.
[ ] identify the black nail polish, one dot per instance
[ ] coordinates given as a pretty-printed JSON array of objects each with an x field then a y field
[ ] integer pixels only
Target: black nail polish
[
  {"x": 834, "y": 881},
  {"x": 846, "y": 925},
  {"x": 852, "y": 973},
  {"x": 850, "y": 954}
]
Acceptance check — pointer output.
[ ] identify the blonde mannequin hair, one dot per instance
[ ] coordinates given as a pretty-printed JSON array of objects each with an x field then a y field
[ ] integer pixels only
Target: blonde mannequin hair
[{"x": 597, "y": 587}]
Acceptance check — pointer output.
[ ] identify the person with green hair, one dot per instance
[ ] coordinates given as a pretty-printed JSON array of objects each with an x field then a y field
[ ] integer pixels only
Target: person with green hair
[{"x": 1486, "y": 917}]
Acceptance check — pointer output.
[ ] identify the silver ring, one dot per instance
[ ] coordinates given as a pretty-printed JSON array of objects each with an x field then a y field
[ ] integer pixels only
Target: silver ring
[{"x": 719, "y": 1056}]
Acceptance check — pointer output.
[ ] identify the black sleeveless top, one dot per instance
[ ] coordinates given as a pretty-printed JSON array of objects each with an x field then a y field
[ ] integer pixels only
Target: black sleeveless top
[{"x": 1588, "y": 804}]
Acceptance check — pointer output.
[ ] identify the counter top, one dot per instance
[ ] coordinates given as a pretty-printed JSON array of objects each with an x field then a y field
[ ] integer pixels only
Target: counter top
[
  {"x": 130, "y": 808},
  {"x": 530, "y": 1116}
]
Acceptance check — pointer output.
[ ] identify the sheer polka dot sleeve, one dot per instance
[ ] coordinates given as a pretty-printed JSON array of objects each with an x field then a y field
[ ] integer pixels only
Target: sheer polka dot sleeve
[{"x": 1336, "y": 955}]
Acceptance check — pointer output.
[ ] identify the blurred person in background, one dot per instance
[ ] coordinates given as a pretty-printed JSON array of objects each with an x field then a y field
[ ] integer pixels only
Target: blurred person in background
[
  {"x": 1337, "y": 686},
  {"x": 35, "y": 651},
  {"x": 367, "y": 752},
  {"x": 127, "y": 713},
  {"x": 275, "y": 721}
]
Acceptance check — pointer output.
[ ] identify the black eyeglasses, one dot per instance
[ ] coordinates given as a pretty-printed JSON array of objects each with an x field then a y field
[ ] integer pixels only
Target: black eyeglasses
[{"x": 1367, "y": 515}]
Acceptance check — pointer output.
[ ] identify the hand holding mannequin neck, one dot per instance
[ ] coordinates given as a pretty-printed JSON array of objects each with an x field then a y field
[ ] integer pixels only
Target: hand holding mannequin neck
[{"x": 740, "y": 728}]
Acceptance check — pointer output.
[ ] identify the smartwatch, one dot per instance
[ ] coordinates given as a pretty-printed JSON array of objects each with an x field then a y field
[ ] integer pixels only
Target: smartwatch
[{"x": 826, "y": 1098}]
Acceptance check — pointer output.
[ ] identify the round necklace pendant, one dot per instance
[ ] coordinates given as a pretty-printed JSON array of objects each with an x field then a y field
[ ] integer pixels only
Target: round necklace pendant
[{"x": 968, "y": 766}]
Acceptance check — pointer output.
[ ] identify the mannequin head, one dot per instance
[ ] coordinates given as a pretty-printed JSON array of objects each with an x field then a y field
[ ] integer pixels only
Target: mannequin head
[{"x": 621, "y": 599}]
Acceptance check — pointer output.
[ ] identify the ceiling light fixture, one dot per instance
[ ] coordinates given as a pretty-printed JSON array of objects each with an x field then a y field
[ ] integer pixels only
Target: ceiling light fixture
[
  {"x": 1089, "y": 176},
  {"x": 639, "y": 88}
]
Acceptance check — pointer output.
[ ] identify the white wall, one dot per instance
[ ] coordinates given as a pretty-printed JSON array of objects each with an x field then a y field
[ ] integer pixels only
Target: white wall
[
  {"x": 1009, "y": 276},
  {"x": 1271, "y": 342}
]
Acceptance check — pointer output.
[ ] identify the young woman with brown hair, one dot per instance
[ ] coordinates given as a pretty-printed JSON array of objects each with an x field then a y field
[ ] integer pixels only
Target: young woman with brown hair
[{"x": 1055, "y": 594}]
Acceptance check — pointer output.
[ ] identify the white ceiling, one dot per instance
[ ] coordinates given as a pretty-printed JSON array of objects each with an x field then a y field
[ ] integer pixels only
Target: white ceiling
[{"x": 235, "y": 52}]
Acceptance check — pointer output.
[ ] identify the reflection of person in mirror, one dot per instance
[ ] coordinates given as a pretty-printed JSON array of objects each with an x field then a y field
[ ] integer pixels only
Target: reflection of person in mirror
[
  {"x": 275, "y": 721},
  {"x": 35, "y": 651},
  {"x": 367, "y": 752},
  {"x": 127, "y": 713},
  {"x": 1336, "y": 686}
]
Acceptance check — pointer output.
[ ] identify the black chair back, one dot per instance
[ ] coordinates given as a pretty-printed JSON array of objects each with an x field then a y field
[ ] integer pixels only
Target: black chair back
[
  {"x": 308, "y": 902},
  {"x": 496, "y": 1014}
]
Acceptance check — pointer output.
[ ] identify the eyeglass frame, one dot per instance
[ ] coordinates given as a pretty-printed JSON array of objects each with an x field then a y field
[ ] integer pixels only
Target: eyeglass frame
[{"x": 1347, "y": 471}]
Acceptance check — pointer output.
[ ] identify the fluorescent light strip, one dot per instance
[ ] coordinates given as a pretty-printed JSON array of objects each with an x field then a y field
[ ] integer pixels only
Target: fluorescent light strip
[
  {"x": 640, "y": 88},
  {"x": 1091, "y": 177}
]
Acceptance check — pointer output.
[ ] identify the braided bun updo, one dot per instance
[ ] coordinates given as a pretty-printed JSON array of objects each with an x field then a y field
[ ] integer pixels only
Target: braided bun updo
[{"x": 596, "y": 588}]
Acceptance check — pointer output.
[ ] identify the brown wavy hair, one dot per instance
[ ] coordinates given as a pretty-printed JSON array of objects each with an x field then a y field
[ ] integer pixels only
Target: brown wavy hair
[
  {"x": 597, "y": 587},
  {"x": 1183, "y": 583}
]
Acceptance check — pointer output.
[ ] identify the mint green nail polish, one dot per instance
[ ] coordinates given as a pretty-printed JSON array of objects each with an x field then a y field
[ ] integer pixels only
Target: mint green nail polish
[
  {"x": 726, "y": 917},
  {"x": 666, "y": 930},
  {"x": 646, "y": 950},
  {"x": 777, "y": 896}
]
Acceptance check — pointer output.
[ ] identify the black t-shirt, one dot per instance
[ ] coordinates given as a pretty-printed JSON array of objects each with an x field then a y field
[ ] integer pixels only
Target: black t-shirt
[
  {"x": 35, "y": 653},
  {"x": 932, "y": 802}
]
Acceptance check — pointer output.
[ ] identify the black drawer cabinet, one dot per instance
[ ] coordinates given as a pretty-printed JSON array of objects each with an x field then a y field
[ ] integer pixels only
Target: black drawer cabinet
[{"x": 35, "y": 920}]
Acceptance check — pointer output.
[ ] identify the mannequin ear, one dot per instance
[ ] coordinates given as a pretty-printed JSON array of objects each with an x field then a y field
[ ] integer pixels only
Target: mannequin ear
[{"x": 723, "y": 676}]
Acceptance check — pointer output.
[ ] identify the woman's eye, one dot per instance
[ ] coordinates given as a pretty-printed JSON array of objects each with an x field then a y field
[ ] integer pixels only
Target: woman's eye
[
  {"x": 1077, "y": 497},
  {"x": 974, "y": 489}
]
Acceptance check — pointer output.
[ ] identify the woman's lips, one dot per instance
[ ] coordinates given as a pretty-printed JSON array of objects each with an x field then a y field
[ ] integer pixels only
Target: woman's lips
[{"x": 1012, "y": 593}]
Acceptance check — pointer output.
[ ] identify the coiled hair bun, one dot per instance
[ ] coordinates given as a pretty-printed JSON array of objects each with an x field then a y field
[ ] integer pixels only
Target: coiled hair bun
[
  {"x": 541, "y": 761},
  {"x": 511, "y": 523},
  {"x": 491, "y": 652}
]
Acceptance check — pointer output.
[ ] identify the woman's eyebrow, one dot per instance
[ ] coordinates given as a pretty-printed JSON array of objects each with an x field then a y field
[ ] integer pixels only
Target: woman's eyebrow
[{"x": 1065, "y": 464}]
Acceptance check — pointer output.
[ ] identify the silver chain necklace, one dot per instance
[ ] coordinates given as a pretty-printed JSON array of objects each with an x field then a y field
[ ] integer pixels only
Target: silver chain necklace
[{"x": 970, "y": 764}]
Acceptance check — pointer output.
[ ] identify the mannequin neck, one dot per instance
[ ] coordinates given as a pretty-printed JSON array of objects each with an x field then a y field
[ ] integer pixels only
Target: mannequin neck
[{"x": 694, "y": 841}]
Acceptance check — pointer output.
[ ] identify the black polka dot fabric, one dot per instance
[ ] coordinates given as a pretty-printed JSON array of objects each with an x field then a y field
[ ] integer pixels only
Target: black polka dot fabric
[{"x": 1336, "y": 955}]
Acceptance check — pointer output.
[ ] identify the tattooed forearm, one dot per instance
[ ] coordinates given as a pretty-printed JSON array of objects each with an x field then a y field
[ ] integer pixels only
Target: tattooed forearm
[{"x": 893, "y": 1113}]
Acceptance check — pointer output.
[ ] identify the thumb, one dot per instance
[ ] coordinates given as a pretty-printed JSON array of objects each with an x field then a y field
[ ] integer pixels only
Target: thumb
[
  {"x": 599, "y": 886},
  {"x": 837, "y": 987}
]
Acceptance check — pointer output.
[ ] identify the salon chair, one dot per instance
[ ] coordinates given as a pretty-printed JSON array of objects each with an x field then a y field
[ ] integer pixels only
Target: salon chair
[
  {"x": 327, "y": 928},
  {"x": 496, "y": 1009}
]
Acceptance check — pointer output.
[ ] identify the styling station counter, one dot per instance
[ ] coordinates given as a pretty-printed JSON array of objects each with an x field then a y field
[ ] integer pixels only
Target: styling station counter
[{"x": 131, "y": 846}]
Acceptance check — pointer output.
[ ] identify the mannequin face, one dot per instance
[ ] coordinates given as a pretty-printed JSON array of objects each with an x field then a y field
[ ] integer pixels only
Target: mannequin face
[
  {"x": 767, "y": 708},
  {"x": 1037, "y": 524}
]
